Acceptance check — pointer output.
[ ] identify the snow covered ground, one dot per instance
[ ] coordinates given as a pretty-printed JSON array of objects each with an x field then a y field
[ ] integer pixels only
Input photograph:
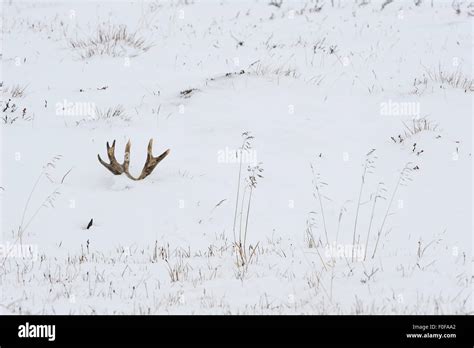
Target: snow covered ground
[{"x": 359, "y": 112}]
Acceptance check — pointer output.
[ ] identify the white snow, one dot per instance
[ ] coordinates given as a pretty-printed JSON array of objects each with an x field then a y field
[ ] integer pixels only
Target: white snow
[{"x": 315, "y": 88}]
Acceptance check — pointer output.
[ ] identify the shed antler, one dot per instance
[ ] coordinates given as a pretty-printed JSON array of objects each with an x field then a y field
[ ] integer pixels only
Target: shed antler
[
  {"x": 118, "y": 169},
  {"x": 114, "y": 166}
]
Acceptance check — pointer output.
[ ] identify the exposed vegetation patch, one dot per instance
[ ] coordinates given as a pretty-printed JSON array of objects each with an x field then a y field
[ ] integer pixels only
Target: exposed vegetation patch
[
  {"x": 111, "y": 40},
  {"x": 454, "y": 79}
]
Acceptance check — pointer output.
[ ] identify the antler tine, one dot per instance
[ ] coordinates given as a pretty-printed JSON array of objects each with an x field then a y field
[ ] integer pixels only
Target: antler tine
[
  {"x": 115, "y": 167},
  {"x": 126, "y": 157},
  {"x": 151, "y": 162},
  {"x": 126, "y": 161}
]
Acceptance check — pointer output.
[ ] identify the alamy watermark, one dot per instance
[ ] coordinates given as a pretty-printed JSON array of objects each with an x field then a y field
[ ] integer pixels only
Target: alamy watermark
[
  {"x": 345, "y": 251},
  {"x": 68, "y": 108},
  {"x": 393, "y": 108},
  {"x": 28, "y": 330},
  {"x": 248, "y": 156}
]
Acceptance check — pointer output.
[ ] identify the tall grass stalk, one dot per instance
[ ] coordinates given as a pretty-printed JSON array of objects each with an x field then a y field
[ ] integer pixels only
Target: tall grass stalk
[
  {"x": 317, "y": 186},
  {"x": 402, "y": 179},
  {"x": 378, "y": 194},
  {"x": 244, "y": 254},
  {"x": 245, "y": 146},
  {"x": 368, "y": 166}
]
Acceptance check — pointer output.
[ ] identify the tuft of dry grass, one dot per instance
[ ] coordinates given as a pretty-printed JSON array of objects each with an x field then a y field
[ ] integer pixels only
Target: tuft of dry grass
[
  {"x": 11, "y": 112},
  {"x": 455, "y": 79},
  {"x": 417, "y": 125},
  {"x": 117, "y": 111},
  {"x": 259, "y": 69},
  {"x": 15, "y": 91},
  {"x": 111, "y": 40},
  {"x": 420, "y": 125},
  {"x": 276, "y": 3},
  {"x": 113, "y": 113},
  {"x": 178, "y": 271}
]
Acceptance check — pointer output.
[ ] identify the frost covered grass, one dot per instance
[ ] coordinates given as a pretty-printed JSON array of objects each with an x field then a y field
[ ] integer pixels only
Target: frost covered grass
[
  {"x": 15, "y": 91},
  {"x": 445, "y": 78},
  {"x": 160, "y": 278},
  {"x": 415, "y": 126},
  {"x": 111, "y": 40}
]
